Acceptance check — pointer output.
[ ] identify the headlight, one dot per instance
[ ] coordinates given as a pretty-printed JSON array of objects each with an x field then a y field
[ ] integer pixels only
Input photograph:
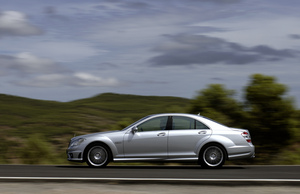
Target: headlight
[{"x": 77, "y": 142}]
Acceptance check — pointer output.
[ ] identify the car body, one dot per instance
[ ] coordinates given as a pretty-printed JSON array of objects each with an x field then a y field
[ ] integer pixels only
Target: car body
[{"x": 164, "y": 137}]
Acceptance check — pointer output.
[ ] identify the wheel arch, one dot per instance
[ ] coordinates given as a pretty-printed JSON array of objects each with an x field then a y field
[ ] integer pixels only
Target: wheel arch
[
  {"x": 97, "y": 143},
  {"x": 213, "y": 143},
  {"x": 221, "y": 140}
]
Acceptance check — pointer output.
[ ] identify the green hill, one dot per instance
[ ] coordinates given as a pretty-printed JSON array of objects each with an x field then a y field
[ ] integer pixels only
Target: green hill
[
  {"x": 31, "y": 127},
  {"x": 38, "y": 131}
]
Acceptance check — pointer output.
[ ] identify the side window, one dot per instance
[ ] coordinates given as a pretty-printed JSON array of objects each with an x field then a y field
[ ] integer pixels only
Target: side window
[
  {"x": 186, "y": 123},
  {"x": 155, "y": 124},
  {"x": 200, "y": 125},
  {"x": 182, "y": 123}
]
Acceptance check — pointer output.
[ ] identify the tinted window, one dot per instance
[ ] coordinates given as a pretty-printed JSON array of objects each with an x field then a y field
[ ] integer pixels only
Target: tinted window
[
  {"x": 187, "y": 123},
  {"x": 155, "y": 124},
  {"x": 200, "y": 125}
]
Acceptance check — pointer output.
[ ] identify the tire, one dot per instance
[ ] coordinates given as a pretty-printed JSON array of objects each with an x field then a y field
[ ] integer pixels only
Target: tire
[
  {"x": 212, "y": 156},
  {"x": 97, "y": 155}
]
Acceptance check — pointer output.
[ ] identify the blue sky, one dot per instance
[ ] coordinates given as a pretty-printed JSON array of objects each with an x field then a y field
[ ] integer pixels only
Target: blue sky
[{"x": 69, "y": 49}]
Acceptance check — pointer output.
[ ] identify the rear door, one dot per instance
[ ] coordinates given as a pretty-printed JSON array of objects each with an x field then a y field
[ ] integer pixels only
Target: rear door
[{"x": 186, "y": 136}]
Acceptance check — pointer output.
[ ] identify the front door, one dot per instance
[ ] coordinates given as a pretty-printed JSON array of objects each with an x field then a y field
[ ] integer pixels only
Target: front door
[{"x": 150, "y": 141}]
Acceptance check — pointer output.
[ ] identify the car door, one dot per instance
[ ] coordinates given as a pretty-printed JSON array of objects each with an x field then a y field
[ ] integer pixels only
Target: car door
[
  {"x": 186, "y": 136},
  {"x": 150, "y": 141}
]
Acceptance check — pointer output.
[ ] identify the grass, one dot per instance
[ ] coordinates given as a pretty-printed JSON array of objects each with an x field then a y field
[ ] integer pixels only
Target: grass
[
  {"x": 25, "y": 123},
  {"x": 38, "y": 131}
]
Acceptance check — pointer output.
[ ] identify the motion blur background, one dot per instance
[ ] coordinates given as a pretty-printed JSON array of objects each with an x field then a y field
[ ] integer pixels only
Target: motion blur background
[{"x": 67, "y": 67}]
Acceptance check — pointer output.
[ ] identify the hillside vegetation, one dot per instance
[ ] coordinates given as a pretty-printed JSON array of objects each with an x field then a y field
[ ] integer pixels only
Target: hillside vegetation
[
  {"x": 38, "y": 131},
  {"x": 31, "y": 127}
]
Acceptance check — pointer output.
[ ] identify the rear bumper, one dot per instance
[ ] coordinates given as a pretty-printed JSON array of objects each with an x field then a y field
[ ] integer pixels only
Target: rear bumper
[
  {"x": 241, "y": 156},
  {"x": 241, "y": 153}
]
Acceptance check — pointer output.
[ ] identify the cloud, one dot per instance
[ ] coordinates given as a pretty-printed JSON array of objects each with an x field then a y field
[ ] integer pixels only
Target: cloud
[
  {"x": 136, "y": 5},
  {"x": 65, "y": 51},
  {"x": 256, "y": 28},
  {"x": 85, "y": 79},
  {"x": 119, "y": 5},
  {"x": 203, "y": 50},
  {"x": 50, "y": 10},
  {"x": 79, "y": 79},
  {"x": 54, "y": 15},
  {"x": 45, "y": 81},
  {"x": 13, "y": 23},
  {"x": 217, "y": 79},
  {"x": 221, "y": 1},
  {"x": 106, "y": 65},
  {"x": 26, "y": 63},
  {"x": 208, "y": 29},
  {"x": 294, "y": 36},
  {"x": 41, "y": 72}
]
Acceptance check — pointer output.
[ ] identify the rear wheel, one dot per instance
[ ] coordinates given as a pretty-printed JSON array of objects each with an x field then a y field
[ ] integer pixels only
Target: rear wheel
[
  {"x": 212, "y": 156},
  {"x": 97, "y": 156}
]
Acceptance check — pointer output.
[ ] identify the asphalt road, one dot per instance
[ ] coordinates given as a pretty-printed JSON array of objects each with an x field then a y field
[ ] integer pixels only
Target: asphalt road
[
  {"x": 161, "y": 172},
  {"x": 38, "y": 179}
]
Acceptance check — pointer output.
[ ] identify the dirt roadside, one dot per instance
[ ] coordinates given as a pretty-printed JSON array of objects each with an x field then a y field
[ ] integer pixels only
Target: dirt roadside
[{"x": 71, "y": 188}]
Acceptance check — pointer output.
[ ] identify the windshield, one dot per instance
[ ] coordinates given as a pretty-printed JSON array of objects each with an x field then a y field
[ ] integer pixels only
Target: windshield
[{"x": 135, "y": 123}]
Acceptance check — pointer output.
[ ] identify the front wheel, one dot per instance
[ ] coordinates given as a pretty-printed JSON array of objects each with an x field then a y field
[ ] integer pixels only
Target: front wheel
[
  {"x": 97, "y": 156},
  {"x": 212, "y": 156}
]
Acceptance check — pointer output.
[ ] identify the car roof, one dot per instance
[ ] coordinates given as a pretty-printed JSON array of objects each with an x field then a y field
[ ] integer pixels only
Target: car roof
[
  {"x": 204, "y": 119},
  {"x": 172, "y": 114}
]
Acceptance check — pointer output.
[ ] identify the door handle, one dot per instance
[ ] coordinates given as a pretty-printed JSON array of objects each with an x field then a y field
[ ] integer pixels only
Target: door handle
[
  {"x": 202, "y": 132},
  {"x": 161, "y": 134}
]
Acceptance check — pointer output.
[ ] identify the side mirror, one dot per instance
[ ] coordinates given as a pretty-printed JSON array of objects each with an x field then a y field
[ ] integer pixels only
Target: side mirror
[{"x": 134, "y": 130}]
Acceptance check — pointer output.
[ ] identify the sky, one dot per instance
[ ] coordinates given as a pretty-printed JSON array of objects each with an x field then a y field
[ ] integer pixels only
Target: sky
[{"x": 65, "y": 50}]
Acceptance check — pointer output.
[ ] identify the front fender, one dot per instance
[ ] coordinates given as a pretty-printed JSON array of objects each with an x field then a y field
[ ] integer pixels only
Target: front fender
[{"x": 105, "y": 140}]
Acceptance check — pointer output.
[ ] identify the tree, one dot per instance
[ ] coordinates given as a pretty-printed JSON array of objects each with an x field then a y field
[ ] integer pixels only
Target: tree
[
  {"x": 267, "y": 113},
  {"x": 218, "y": 103},
  {"x": 271, "y": 112}
]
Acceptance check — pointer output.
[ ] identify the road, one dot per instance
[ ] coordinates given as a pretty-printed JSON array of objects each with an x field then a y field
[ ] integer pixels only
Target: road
[
  {"x": 30, "y": 179},
  {"x": 162, "y": 172}
]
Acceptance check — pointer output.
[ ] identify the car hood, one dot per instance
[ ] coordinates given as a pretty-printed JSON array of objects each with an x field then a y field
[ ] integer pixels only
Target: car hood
[{"x": 93, "y": 135}]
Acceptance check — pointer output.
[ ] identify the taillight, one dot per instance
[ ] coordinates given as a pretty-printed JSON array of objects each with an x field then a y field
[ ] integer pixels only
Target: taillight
[{"x": 247, "y": 136}]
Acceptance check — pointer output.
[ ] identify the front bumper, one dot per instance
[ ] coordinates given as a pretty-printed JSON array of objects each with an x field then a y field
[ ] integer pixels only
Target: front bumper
[{"x": 74, "y": 155}]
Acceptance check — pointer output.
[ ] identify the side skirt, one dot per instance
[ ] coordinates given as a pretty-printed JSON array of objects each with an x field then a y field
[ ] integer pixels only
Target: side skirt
[{"x": 156, "y": 159}]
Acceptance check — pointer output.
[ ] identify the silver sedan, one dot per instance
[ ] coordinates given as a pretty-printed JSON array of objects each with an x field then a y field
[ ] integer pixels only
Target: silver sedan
[{"x": 171, "y": 137}]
